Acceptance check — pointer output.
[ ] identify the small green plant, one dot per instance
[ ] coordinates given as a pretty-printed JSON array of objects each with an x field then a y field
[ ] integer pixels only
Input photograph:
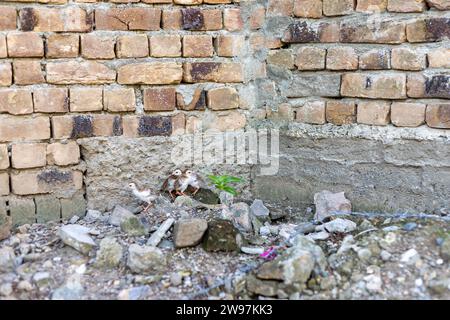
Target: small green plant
[{"x": 222, "y": 183}]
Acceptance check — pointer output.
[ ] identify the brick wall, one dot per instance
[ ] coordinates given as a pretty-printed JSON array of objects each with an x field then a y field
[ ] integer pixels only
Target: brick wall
[{"x": 72, "y": 69}]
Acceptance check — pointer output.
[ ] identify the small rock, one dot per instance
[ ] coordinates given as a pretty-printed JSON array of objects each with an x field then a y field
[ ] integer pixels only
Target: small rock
[
  {"x": 189, "y": 232},
  {"x": 110, "y": 253},
  {"x": 42, "y": 279},
  {"x": 93, "y": 215},
  {"x": 207, "y": 196},
  {"x": 364, "y": 254},
  {"x": 77, "y": 237},
  {"x": 264, "y": 231},
  {"x": 410, "y": 226},
  {"x": 338, "y": 225},
  {"x": 6, "y": 289},
  {"x": 176, "y": 279},
  {"x": 322, "y": 235},
  {"x": 118, "y": 215},
  {"x": 439, "y": 286},
  {"x": 7, "y": 259},
  {"x": 348, "y": 243},
  {"x": 385, "y": 255},
  {"x": 252, "y": 250},
  {"x": 143, "y": 259},
  {"x": 24, "y": 285},
  {"x": 133, "y": 227},
  {"x": 259, "y": 210},
  {"x": 391, "y": 228},
  {"x": 373, "y": 283},
  {"x": 305, "y": 228},
  {"x": 410, "y": 257},
  {"x": 226, "y": 198},
  {"x": 72, "y": 289},
  {"x": 136, "y": 293},
  {"x": 445, "y": 249},
  {"x": 221, "y": 236},
  {"x": 439, "y": 241},
  {"x": 241, "y": 216},
  {"x": 328, "y": 203},
  {"x": 366, "y": 225},
  {"x": 184, "y": 201},
  {"x": 74, "y": 219},
  {"x": 166, "y": 244}
]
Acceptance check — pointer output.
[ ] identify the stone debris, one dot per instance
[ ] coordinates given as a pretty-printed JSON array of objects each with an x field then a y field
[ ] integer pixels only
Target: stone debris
[
  {"x": 252, "y": 250},
  {"x": 72, "y": 289},
  {"x": 77, "y": 237},
  {"x": 7, "y": 259},
  {"x": 221, "y": 236},
  {"x": 109, "y": 254},
  {"x": 156, "y": 237},
  {"x": 259, "y": 210},
  {"x": 189, "y": 232},
  {"x": 118, "y": 215},
  {"x": 338, "y": 225},
  {"x": 143, "y": 259},
  {"x": 328, "y": 203},
  {"x": 133, "y": 226}
]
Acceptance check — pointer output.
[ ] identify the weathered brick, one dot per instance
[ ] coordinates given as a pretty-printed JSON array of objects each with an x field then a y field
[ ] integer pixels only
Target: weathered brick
[
  {"x": 16, "y": 101},
  {"x": 74, "y": 72},
  {"x": 310, "y": 58},
  {"x": 7, "y": 18},
  {"x": 63, "y": 154},
  {"x": 28, "y": 155},
  {"x": 380, "y": 32},
  {"x": 3, "y": 47},
  {"x": 22, "y": 211},
  {"x": 97, "y": 47},
  {"x": 373, "y": 112},
  {"x": 75, "y": 206},
  {"x": 338, "y": 7},
  {"x": 428, "y": 30},
  {"x": 106, "y": 125},
  {"x": 193, "y": 125},
  {"x": 329, "y": 32},
  {"x": 342, "y": 58},
  {"x": 192, "y": 19},
  {"x": 86, "y": 99},
  {"x": 17, "y": 129},
  {"x": 318, "y": 85},
  {"x": 132, "y": 18},
  {"x": 374, "y": 86},
  {"x": 44, "y": 19},
  {"x": 198, "y": 46},
  {"x": 407, "y": 59},
  {"x": 63, "y": 45},
  {"x": 281, "y": 58},
  {"x": 178, "y": 124},
  {"x": 340, "y": 112},
  {"x": 165, "y": 46},
  {"x": 438, "y": 115},
  {"x": 45, "y": 181},
  {"x": 119, "y": 100},
  {"x": 5, "y": 74},
  {"x": 159, "y": 99},
  {"x": 232, "y": 19},
  {"x": 62, "y": 127},
  {"x": 280, "y": 8},
  {"x": 371, "y": 6},
  {"x": 312, "y": 112},
  {"x": 213, "y": 19},
  {"x": 375, "y": 59},
  {"x": 257, "y": 17},
  {"x": 4, "y": 184},
  {"x": 171, "y": 19},
  {"x": 439, "y": 58},
  {"x": 229, "y": 45},
  {"x": 406, "y": 5},
  {"x": 301, "y": 32},
  {"x": 439, "y": 4},
  {"x": 225, "y": 121},
  {"x": 25, "y": 45},
  {"x": 407, "y": 114},
  {"x": 150, "y": 73},
  {"x": 4, "y": 157},
  {"x": 212, "y": 72},
  {"x": 154, "y": 126},
  {"x": 430, "y": 86},
  {"x": 28, "y": 72},
  {"x": 308, "y": 8},
  {"x": 51, "y": 100},
  {"x": 197, "y": 101},
  {"x": 188, "y": 2},
  {"x": 223, "y": 98},
  {"x": 48, "y": 209},
  {"x": 132, "y": 46}
]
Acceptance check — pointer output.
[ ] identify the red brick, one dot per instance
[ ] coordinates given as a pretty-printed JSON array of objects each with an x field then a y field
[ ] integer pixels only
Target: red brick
[
  {"x": 132, "y": 46},
  {"x": 312, "y": 112},
  {"x": 373, "y": 112},
  {"x": 119, "y": 100},
  {"x": 150, "y": 73},
  {"x": 438, "y": 115},
  {"x": 165, "y": 46},
  {"x": 232, "y": 19},
  {"x": 25, "y": 45},
  {"x": 406, "y": 114},
  {"x": 8, "y": 16},
  {"x": 45, "y": 19},
  {"x": 51, "y": 100},
  {"x": 97, "y": 47},
  {"x": 63, "y": 45},
  {"x": 28, "y": 72},
  {"x": 133, "y": 18},
  {"x": 74, "y": 72},
  {"x": 86, "y": 99},
  {"x": 17, "y": 129},
  {"x": 5, "y": 74},
  {"x": 159, "y": 99},
  {"x": 198, "y": 46}
]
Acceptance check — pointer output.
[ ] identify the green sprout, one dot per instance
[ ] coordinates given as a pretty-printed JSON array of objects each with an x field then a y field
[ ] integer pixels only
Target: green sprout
[{"x": 222, "y": 183}]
